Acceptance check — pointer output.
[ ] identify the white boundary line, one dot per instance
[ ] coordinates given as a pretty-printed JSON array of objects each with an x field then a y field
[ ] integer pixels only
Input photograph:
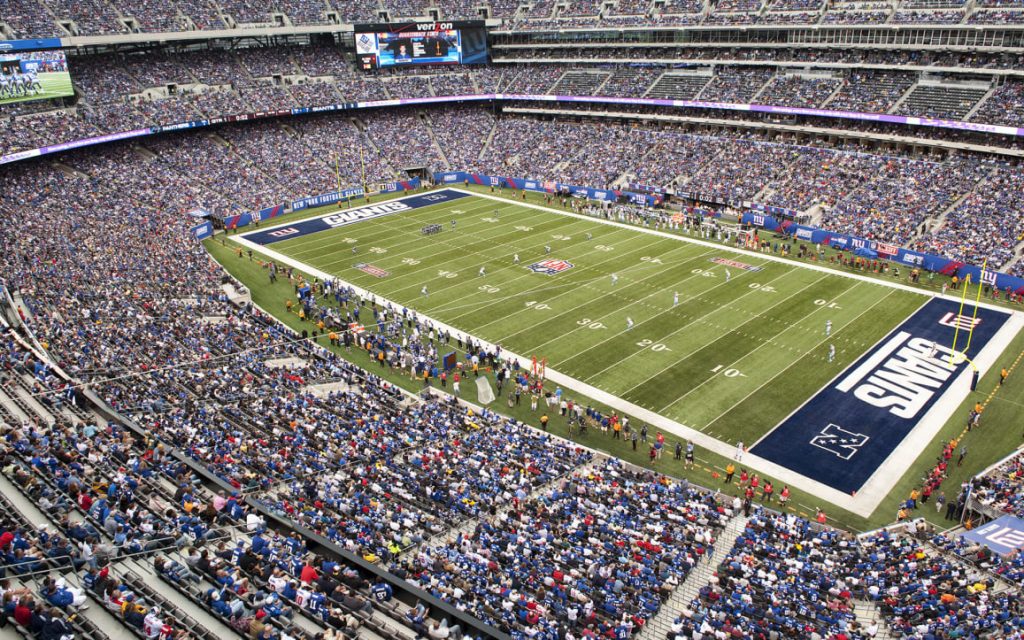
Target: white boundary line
[{"x": 877, "y": 487}]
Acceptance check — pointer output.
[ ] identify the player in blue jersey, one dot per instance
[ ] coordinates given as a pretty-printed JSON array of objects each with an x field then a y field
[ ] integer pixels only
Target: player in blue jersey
[{"x": 381, "y": 591}]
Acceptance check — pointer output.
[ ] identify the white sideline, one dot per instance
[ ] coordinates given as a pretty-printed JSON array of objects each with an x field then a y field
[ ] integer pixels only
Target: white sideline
[{"x": 881, "y": 481}]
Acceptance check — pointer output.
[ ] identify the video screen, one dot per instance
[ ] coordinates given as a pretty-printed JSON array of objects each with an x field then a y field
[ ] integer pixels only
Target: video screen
[
  {"x": 34, "y": 75},
  {"x": 429, "y": 43}
]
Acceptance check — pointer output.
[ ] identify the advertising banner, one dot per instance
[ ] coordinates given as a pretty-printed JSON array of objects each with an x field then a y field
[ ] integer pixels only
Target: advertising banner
[
  {"x": 8, "y": 46},
  {"x": 1004, "y": 535},
  {"x": 327, "y": 198},
  {"x": 202, "y": 231}
]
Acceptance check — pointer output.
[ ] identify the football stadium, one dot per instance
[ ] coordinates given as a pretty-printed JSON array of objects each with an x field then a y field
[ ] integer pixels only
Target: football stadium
[{"x": 532, "y": 319}]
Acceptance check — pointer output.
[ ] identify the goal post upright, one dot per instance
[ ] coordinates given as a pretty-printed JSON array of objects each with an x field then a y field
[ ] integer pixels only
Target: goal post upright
[
  {"x": 960, "y": 314},
  {"x": 977, "y": 301}
]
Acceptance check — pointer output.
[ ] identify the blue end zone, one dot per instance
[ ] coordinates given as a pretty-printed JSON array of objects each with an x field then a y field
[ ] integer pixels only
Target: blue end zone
[
  {"x": 846, "y": 431},
  {"x": 348, "y": 216}
]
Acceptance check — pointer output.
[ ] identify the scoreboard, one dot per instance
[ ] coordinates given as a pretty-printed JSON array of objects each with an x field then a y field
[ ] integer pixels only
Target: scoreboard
[{"x": 382, "y": 46}]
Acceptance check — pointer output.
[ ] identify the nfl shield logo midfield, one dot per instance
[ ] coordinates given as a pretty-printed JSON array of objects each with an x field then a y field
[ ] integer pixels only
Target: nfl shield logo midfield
[{"x": 550, "y": 266}]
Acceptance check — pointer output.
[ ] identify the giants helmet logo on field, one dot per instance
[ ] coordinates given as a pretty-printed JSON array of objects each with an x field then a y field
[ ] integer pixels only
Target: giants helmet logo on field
[{"x": 550, "y": 266}]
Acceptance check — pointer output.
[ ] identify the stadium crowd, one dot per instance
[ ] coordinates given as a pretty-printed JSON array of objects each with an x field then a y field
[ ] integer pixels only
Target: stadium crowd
[
  {"x": 118, "y": 92},
  {"x": 260, "y": 164},
  {"x": 42, "y": 18},
  {"x": 788, "y": 577},
  {"x": 409, "y": 478}
]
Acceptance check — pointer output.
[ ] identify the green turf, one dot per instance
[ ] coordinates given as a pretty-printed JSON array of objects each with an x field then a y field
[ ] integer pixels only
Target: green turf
[
  {"x": 1001, "y": 429},
  {"x": 55, "y": 85},
  {"x": 765, "y": 329}
]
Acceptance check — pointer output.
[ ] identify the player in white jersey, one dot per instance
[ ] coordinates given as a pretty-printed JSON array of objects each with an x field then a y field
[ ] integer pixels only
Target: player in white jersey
[
  {"x": 482, "y": 273},
  {"x": 515, "y": 258},
  {"x": 675, "y": 298},
  {"x": 831, "y": 352},
  {"x": 19, "y": 82},
  {"x": 629, "y": 323},
  {"x": 615, "y": 279},
  {"x": 14, "y": 84},
  {"x": 828, "y": 328},
  {"x": 424, "y": 291},
  {"x": 727, "y": 275}
]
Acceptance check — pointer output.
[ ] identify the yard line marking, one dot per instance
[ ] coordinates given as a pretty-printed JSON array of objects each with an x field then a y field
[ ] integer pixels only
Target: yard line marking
[
  {"x": 539, "y": 289},
  {"x": 536, "y": 348},
  {"x": 764, "y": 343},
  {"x": 887, "y": 336},
  {"x": 416, "y": 239},
  {"x": 790, "y": 365},
  {"x": 541, "y": 285},
  {"x": 429, "y": 265},
  {"x": 665, "y": 337},
  {"x": 585, "y": 284},
  {"x": 863, "y": 504},
  {"x": 461, "y": 282},
  {"x": 412, "y": 220},
  {"x": 683, "y": 359},
  {"x": 749, "y": 253}
]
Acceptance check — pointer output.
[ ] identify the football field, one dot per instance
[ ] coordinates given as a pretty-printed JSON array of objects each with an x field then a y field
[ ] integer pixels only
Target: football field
[
  {"x": 54, "y": 85},
  {"x": 726, "y": 344}
]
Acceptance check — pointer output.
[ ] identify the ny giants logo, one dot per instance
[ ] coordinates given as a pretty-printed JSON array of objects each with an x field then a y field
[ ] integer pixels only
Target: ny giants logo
[
  {"x": 955, "y": 321},
  {"x": 280, "y": 233}
]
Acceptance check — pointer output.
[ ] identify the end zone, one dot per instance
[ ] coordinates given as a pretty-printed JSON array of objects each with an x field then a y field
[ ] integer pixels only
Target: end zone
[
  {"x": 856, "y": 426},
  {"x": 340, "y": 218}
]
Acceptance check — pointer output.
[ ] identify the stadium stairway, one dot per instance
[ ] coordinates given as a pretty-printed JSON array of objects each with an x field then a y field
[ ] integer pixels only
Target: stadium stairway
[
  {"x": 661, "y": 624},
  {"x": 429, "y": 124},
  {"x": 11, "y": 409},
  {"x": 867, "y": 613},
  {"x": 1018, "y": 255},
  {"x": 764, "y": 87},
  {"x": 769, "y": 188},
  {"x": 835, "y": 92},
  {"x": 19, "y": 303},
  {"x": 468, "y": 526},
  {"x": 28, "y": 403},
  {"x": 487, "y": 143},
  {"x": 970, "y": 114},
  {"x": 903, "y": 98},
  {"x": 930, "y": 225}
]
